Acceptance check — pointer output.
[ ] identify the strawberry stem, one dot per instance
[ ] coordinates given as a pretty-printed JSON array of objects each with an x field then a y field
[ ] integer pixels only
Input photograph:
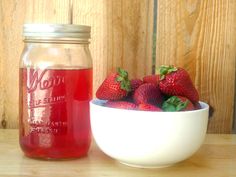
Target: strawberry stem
[
  {"x": 163, "y": 70},
  {"x": 123, "y": 79},
  {"x": 122, "y": 72},
  {"x": 174, "y": 104}
]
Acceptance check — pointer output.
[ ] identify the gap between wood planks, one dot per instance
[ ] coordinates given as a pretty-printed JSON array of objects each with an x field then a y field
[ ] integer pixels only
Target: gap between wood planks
[
  {"x": 154, "y": 35},
  {"x": 70, "y": 12}
]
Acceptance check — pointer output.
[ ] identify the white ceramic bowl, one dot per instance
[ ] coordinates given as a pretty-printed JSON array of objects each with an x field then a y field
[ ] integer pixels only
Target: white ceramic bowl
[{"x": 148, "y": 139}]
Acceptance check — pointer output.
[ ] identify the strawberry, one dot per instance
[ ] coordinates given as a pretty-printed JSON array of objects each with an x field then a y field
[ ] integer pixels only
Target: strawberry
[
  {"x": 120, "y": 104},
  {"x": 148, "y": 107},
  {"x": 178, "y": 103},
  {"x": 115, "y": 87},
  {"x": 176, "y": 81},
  {"x": 135, "y": 83},
  {"x": 152, "y": 79},
  {"x": 148, "y": 93}
]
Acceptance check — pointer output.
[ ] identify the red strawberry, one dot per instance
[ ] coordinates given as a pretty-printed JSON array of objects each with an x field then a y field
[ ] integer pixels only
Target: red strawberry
[
  {"x": 176, "y": 81},
  {"x": 177, "y": 103},
  {"x": 115, "y": 87},
  {"x": 135, "y": 83},
  {"x": 152, "y": 79},
  {"x": 120, "y": 104},
  {"x": 148, "y": 107},
  {"x": 148, "y": 93}
]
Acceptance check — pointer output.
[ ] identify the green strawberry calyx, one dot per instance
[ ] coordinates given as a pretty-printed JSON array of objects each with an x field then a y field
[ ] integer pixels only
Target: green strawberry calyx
[
  {"x": 174, "y": 104},
  {"x": 164, "y": 70},
  {"x": 123, "y": 79}
]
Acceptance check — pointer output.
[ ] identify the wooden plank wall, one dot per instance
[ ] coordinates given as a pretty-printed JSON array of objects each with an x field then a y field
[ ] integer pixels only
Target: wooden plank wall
[
  {"x": 11, "y": 20},
  {"x": 199, "y": 35}
]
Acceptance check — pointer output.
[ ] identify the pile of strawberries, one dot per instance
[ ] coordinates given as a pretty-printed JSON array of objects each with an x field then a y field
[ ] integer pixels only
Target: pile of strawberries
[{"x": 170, "y": 90}]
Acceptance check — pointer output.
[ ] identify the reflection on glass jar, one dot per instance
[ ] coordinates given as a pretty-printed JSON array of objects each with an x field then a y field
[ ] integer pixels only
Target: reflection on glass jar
[{"x": 55, "y": 90}]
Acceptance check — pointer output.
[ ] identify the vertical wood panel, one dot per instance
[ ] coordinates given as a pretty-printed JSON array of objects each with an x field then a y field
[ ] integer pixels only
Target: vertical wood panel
[
  {"x": 11, "y": 47},
  {"x": 121, "y": 35},
  {"x": 1, "y": 69},
  {"x": 47, "y": 11},
  {"x": 201, "y": 37},
  {"x": 13, "y": 14}
]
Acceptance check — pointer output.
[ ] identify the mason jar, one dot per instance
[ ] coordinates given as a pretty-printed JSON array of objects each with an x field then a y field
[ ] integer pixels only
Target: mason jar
[{"x": 54, "y": 91}]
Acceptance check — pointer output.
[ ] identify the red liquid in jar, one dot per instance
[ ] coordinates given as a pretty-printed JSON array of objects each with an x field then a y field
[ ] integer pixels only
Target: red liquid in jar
[{"x": 54, "y": 112}]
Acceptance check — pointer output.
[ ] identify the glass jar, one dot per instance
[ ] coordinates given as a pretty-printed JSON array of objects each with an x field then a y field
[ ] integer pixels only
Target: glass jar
[{"x": 55, "y": 90}]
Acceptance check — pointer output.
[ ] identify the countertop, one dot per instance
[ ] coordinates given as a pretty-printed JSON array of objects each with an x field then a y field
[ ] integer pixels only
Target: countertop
[{"x": 215, "y": 158}]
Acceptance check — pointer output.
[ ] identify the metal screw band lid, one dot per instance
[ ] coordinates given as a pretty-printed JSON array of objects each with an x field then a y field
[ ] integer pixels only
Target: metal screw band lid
[{"x": 56, "y": 31}]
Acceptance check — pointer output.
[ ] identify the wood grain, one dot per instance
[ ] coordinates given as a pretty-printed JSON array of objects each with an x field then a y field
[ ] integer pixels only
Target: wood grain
[
  {"x": 1, "y": 70},
  {"x": 121, "y": 35},
  {"x": 215, "y": 158},
  {"x": 201, "y": 37},
  {"x": 11, "y": 47},
  {"x": 44, "y": 11}
]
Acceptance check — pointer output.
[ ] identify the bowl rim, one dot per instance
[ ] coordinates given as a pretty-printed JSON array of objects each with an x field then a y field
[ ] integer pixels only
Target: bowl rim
[{"x": 98, "y": 103}]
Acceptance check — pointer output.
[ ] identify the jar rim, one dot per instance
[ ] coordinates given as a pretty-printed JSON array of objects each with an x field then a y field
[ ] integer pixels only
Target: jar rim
[{"x": 56, "y": 31}]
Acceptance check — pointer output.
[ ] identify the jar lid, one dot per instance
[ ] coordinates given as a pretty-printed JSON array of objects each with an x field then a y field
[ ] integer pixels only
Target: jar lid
[{"x": 56, "y": 31}]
